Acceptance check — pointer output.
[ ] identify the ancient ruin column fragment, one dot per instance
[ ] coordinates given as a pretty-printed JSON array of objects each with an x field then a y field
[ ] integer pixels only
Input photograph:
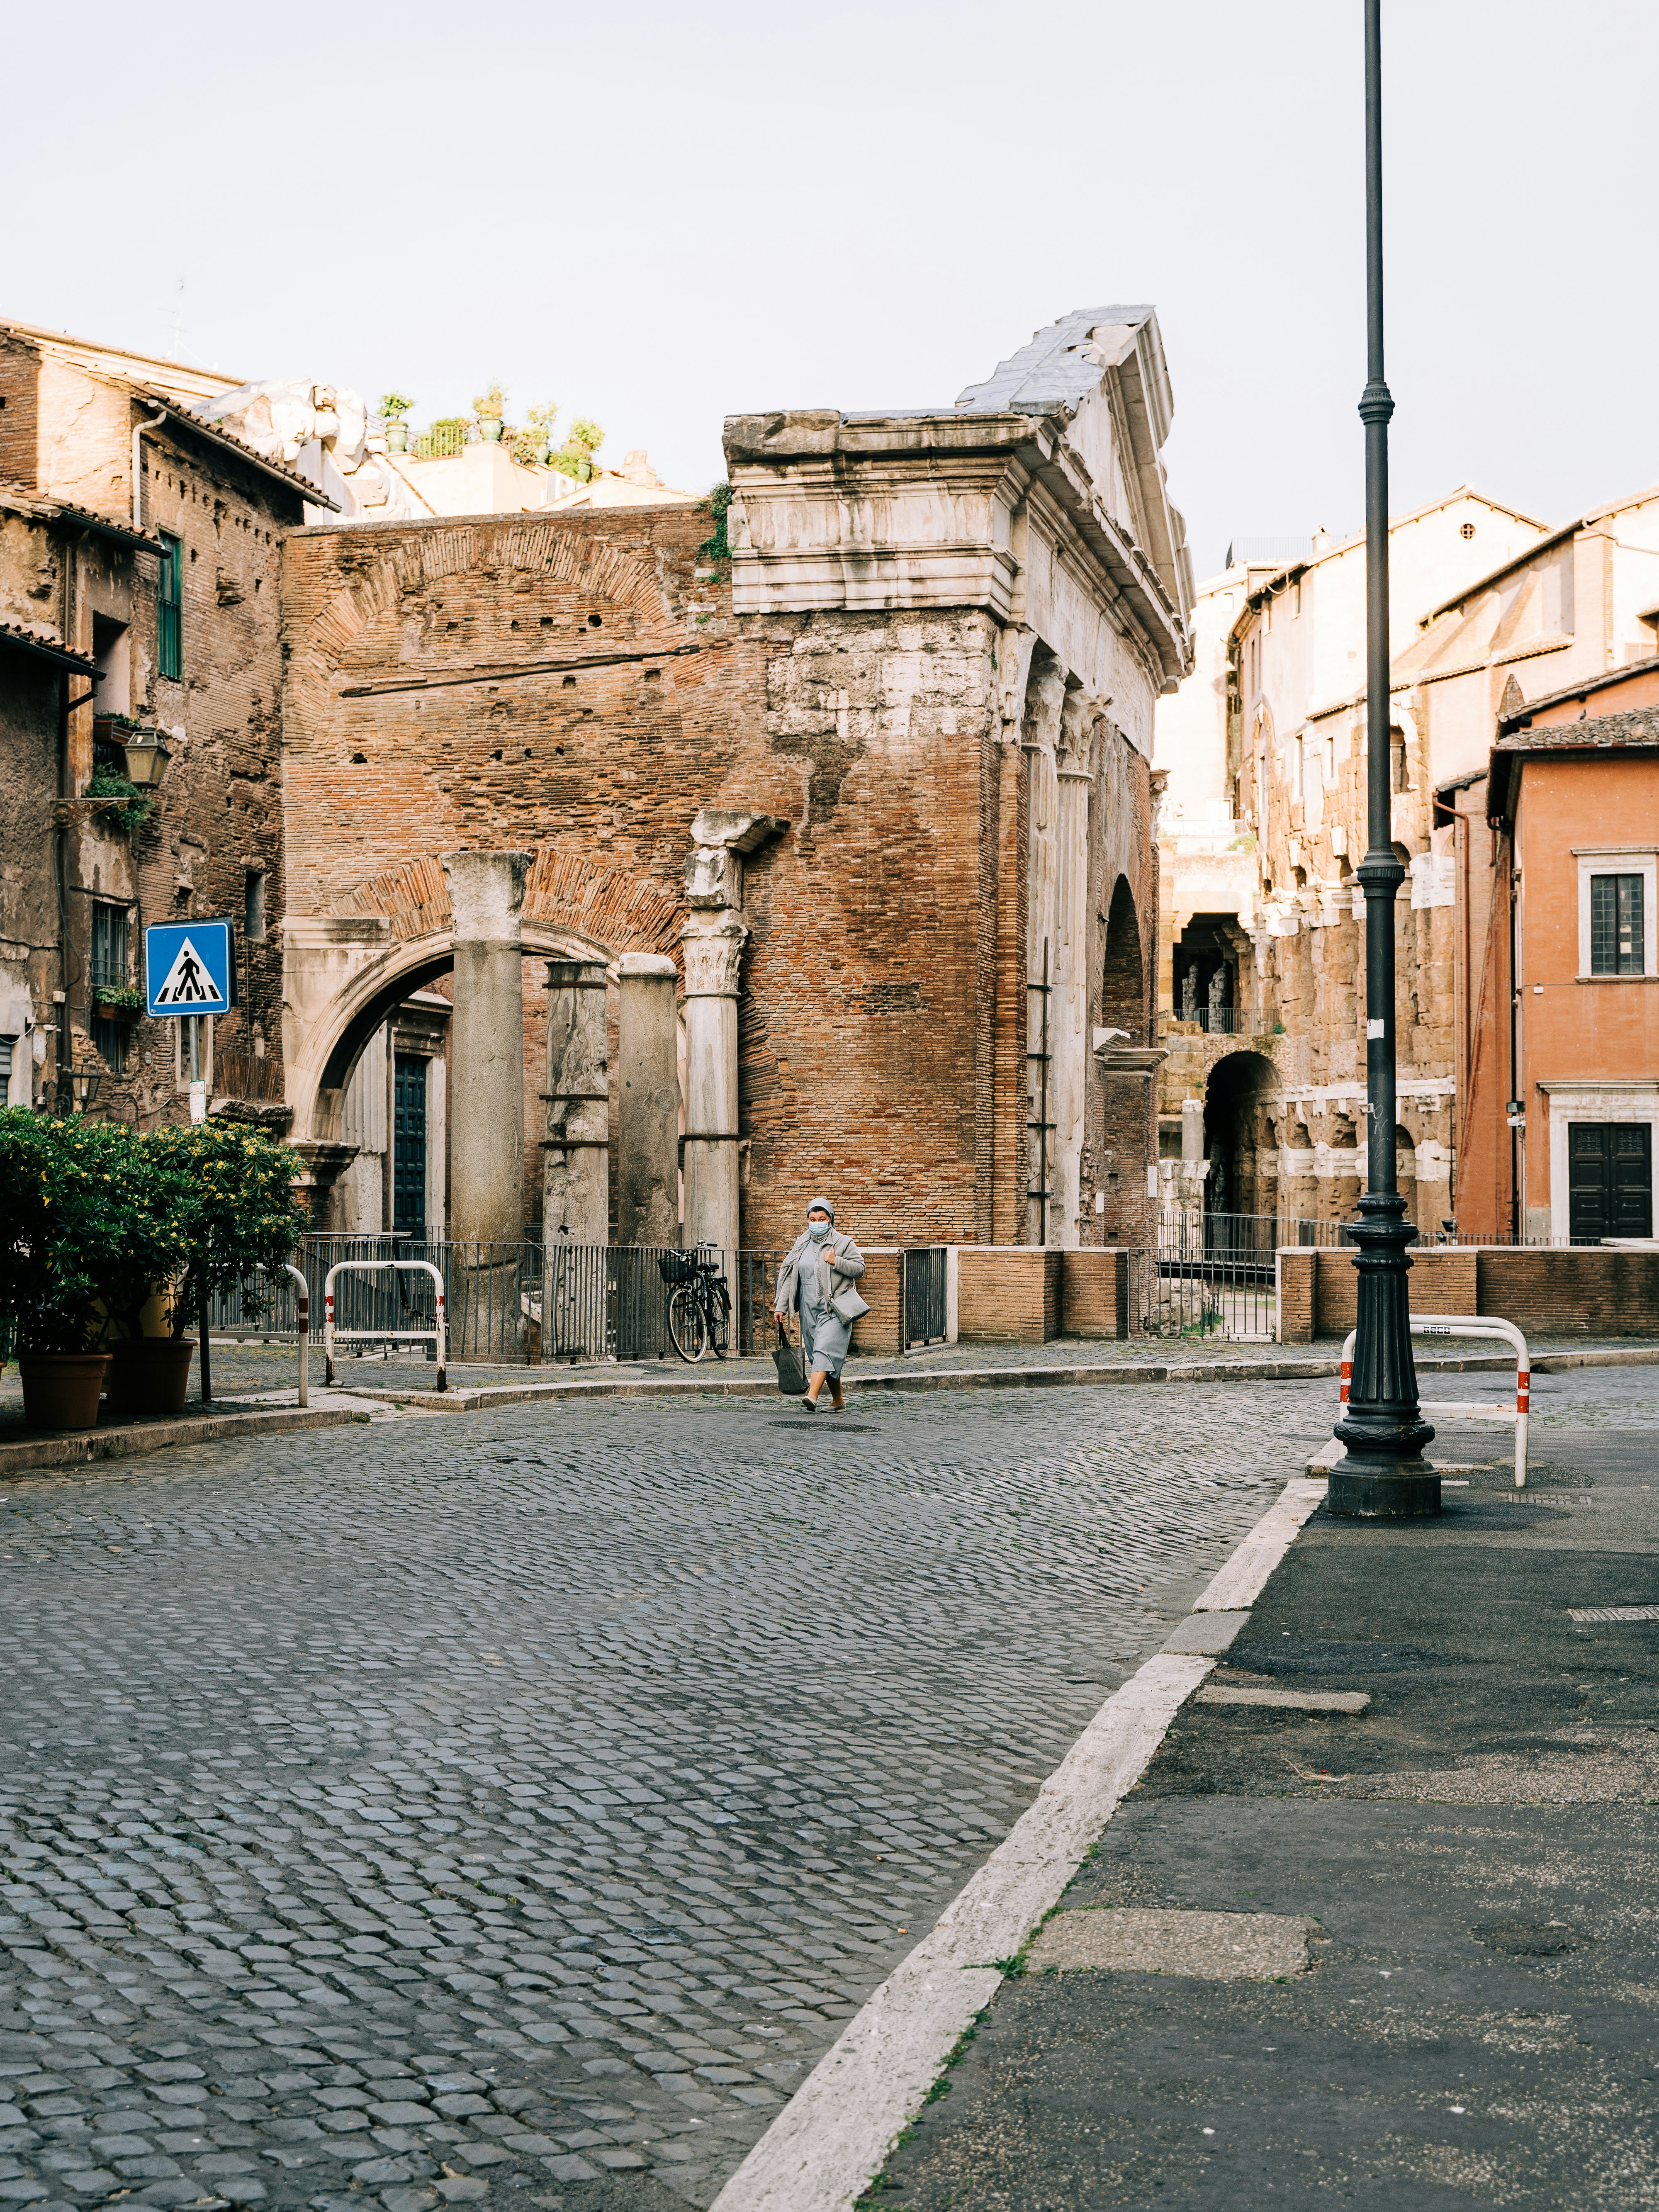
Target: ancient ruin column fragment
[
  {"x": 486, "y": 1102},
  {"x": 576, "y": 1185},
  {"x": 1069, "y": 1003},
  {"x": 647, "y": 1100},
  {"x": 712, "y": 940}
]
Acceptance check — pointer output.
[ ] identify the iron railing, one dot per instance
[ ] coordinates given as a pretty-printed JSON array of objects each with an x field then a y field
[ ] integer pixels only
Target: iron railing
[
  {"x": 508, "y": 1302},
  {"x": 922, "y": 1291},
  {"x": 1214, "y": 1021}
]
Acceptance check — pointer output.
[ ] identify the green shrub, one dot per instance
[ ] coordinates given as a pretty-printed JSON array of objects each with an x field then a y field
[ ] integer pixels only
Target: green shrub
[
  {"x": 229, "y": 1190},
  {"x": 86, "y": 1234}
]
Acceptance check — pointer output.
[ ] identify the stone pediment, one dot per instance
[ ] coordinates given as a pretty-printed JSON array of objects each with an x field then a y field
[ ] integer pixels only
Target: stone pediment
[{"x": 1039, "y": 492}]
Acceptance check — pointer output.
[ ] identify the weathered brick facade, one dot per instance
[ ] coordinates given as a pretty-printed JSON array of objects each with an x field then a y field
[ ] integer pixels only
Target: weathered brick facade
[
  {"x": 84, "y": 574},
  {"x": 937, "y": 787}
]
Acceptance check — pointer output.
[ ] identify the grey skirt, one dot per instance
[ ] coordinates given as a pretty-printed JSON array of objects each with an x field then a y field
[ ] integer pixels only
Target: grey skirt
[{"x": 826, "y": 1339}]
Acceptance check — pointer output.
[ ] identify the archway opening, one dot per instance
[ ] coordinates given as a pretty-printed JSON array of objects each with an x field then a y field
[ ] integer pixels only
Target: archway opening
[
  {"x": 1206, "y": 974},
  {"x": 1123, "y": 978},
  {"x": 1236, "y": 1193}
]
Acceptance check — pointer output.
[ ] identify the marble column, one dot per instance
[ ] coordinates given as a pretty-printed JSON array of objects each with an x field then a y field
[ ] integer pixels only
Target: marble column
[
  {"x": 647, "y": 1100},
  {"x": 576, "y": 1169},
  {"x": 1069, "y": 1006},
  {"x": 486, "y": 1098},
  {"x": 713, "y": 941}
]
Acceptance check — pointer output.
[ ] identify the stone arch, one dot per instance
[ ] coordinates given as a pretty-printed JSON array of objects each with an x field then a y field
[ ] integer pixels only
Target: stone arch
[
  {"x": 1123, "y": 994},
  {"x": 1235, "y": 1103},
  {"x": 575, "y": 907}
]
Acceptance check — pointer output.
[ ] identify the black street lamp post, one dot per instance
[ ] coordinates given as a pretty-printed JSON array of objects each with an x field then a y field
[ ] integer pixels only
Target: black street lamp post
[{"x": 1384, "y": 1475}]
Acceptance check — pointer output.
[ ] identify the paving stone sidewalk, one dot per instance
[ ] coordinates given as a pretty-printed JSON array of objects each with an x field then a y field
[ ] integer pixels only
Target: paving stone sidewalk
[
  {"x": 517, "y": 1806},
  {"x": 1459, "y": 1882}
]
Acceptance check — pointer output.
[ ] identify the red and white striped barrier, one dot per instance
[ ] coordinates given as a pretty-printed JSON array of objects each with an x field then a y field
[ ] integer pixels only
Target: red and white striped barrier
[
  {"x": 1457, "y": 1409},
  {"x": 435, "y": 1336}
]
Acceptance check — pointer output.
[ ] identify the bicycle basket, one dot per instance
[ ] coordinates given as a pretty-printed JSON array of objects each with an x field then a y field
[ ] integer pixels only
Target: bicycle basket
[{"x": 677, "y": 1266}]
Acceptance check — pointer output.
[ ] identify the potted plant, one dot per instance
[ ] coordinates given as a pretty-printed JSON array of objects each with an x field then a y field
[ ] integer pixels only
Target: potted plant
[
  {"x": 489, "y": 409},
  {"x": 228, "y": 1192},
  {"x": 394, "y": 413},
  {"x": 119, "y": 1002},
  {"x": 79, "y": 1233}
]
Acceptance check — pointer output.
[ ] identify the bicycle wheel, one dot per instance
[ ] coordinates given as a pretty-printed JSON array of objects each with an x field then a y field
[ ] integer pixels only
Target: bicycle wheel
[
  {"x": 687, "y": 1329},
  {"x": 719, "y": 1317}
]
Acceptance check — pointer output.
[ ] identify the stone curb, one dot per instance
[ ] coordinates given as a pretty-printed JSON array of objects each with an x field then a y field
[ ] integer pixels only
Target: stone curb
[
  {"x": 82, "y": 1446},
  {"x": 981, "y": 1378}
]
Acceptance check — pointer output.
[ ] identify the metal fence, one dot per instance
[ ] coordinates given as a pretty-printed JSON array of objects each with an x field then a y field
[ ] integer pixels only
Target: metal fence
[
  {"x": 922, "y": 1290},
  {"x": 508, "y": 1302}
]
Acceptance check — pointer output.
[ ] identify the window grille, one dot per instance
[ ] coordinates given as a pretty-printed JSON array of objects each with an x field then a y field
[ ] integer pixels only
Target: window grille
[{"x": 1617, "y": 945}]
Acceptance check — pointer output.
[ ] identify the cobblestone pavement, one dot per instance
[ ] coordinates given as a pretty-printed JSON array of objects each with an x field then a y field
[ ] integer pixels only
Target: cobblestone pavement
[
  {"x": 254, "y": 1367},
  {"x": 520, "y": 1804}
]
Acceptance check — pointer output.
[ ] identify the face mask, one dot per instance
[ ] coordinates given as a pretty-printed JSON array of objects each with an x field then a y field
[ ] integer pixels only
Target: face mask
[{"x": 818, "y": 1229}]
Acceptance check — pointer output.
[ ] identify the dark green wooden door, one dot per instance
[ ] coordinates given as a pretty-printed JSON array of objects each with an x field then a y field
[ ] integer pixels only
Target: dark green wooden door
[
  {"x": 409, "y": 1143},
  {"x": 1610, "y": 1178}
]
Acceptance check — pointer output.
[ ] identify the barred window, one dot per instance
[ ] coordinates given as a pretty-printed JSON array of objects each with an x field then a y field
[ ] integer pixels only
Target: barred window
[{"x": 1617, "y": 947}]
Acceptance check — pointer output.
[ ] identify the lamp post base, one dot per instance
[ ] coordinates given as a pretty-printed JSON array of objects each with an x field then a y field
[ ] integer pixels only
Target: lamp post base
[{"x": 1367, "y": 1489}]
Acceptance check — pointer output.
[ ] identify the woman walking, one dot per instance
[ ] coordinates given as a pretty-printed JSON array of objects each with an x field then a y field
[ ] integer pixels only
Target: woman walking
[{"x": 815, "y": 1281}]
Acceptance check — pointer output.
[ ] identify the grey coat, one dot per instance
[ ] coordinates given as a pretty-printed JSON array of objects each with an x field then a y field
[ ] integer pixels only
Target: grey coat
[{"x": 805, "y": 1263}]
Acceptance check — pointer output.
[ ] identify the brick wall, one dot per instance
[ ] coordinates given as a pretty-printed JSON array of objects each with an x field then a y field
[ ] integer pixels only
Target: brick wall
[
  {"x": 20, "y": 421},
  {"x": 1008, "y": 1294},
  {"x": 1546, "y": 1293},
  {"x": 1095, "y": 1293},
  {"x": 881, "y": 1330},
  {"x": 1583, "y": 1292},
  {"x": 1295, "y": 1271}
]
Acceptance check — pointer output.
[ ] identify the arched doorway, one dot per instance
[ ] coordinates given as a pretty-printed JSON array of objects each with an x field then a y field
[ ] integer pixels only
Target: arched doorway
[{"x": 1237, "y": 1189}]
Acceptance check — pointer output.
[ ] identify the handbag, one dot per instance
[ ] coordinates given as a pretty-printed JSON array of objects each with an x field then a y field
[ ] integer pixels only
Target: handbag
[
  {"x": 792, "y": 1368},
  {"x": 846, "y": 1305}
]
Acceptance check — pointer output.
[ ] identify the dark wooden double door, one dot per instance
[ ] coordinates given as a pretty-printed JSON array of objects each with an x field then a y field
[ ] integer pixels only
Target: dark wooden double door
[{"x": 1610, "y": 1178}]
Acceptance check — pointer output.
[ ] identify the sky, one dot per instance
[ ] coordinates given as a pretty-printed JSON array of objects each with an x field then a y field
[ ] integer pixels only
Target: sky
[{"x": 659, "y": 215}]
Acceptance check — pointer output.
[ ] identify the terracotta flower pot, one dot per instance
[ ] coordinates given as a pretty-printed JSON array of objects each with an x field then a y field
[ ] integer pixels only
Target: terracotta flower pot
[
  {"x": 150, "y": 1374},
  {"x": 60, "y": 1389}
]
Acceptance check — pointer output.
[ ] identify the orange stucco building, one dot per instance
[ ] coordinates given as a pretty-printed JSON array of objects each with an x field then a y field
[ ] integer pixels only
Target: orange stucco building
[{"x": 1557, "y": 848}]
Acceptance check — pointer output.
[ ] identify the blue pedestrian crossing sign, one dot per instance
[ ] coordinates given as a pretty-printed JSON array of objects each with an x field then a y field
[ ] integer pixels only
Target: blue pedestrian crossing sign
[{"x": 190, "y": 968}]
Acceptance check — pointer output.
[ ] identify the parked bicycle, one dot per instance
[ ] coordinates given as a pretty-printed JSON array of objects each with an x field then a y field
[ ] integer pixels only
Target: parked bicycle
[{"x": 699, "y": 1304}]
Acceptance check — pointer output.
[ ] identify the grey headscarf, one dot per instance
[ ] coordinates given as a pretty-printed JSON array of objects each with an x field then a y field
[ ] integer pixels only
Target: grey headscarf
[{"x": 821, "y": 1205}]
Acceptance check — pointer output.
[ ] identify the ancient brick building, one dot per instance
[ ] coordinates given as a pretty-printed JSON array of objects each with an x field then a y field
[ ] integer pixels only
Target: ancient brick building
[
  {"x": 135, "y": 607},
  {"x": 861, "y": 778}
]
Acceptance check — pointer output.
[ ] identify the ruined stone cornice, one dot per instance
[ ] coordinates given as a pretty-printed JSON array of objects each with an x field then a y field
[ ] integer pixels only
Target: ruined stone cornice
[{"x": 873, "y": 512}]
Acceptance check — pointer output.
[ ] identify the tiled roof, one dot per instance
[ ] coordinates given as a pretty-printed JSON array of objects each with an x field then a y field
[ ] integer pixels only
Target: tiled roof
[
  {"x": 1635, "y": 731},
  {"x": 17, "y": 498},
  {"x": 44, "y": 648},
  {"x": 216, "y": 431}
]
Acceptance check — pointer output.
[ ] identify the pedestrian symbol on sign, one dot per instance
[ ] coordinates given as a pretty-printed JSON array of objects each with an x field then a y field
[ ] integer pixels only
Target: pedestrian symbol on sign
[{"x": 188, "y": 983}]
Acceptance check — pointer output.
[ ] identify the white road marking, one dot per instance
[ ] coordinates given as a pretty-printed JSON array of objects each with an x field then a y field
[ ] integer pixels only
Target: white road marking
[{"x": 833, "y": 2136}]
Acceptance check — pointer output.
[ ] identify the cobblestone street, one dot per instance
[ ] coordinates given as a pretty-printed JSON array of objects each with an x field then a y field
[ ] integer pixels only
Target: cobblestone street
[{"x": 520, "y": 1804}]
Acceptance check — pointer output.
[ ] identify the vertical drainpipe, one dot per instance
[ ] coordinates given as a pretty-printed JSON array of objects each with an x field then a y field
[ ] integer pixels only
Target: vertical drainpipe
[
  {"x": 138, "y": 430},
  {"x": 1514, "y": 1013}
]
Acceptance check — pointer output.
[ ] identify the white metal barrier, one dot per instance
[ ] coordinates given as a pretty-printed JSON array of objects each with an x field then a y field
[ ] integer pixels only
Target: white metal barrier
[
  {"x": 1461, "y": 1409},
  {"x": 435, "y": 1335}
]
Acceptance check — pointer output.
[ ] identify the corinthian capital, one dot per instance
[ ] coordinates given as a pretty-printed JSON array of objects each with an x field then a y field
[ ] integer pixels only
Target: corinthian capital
[{"x": 713, "y": 944}]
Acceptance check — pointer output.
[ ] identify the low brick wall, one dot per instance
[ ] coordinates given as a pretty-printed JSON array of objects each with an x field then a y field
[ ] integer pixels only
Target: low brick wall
[
  {"x": 1094, "y": 1293},
  {"x": 1588, "y": 1291},
  {"x": 880, "y": 1286},
  {"x": 1544, "y": 1290},
  {"x": 1008, "y": 1293}
]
